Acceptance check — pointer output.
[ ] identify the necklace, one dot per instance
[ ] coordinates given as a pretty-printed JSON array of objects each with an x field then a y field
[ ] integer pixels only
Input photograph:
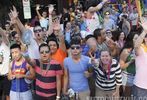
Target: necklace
[{"x": 47, "y": 68}]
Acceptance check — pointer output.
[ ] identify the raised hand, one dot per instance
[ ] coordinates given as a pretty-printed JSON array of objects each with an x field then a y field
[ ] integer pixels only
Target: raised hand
[
  {"x": 143, "y": 23},
  {"x": 37, "y": 7},
  {"x": 14, "y": 13},
  {"x": 12, "y": 19},
  {"x": 56, "y": 24},
  {"x": 50, "y": 9}
]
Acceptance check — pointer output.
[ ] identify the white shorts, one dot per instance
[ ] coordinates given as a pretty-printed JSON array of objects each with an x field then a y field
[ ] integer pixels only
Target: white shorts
[{"x": 21, "y": 95}]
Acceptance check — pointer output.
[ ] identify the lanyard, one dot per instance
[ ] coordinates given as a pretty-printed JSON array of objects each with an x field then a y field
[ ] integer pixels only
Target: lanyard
[
  {"x": 108, "y": 74},
  {"x": 47, "y": 68}
]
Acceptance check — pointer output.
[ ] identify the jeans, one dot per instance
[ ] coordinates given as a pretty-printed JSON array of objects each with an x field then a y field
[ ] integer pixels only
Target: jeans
[{"x": 139, "y": 93}]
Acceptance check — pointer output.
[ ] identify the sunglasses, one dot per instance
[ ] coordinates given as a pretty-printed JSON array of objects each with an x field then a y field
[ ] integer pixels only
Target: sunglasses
[
  {"x": 75, "y": 47},
  {"x": 37, "y": 31},
  {"x": 107, "y": 13},
  {"x": 42, "y": 52}
]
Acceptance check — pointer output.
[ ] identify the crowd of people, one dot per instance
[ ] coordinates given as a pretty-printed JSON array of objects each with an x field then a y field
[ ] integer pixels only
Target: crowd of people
[{"x": 85, "y": 53}]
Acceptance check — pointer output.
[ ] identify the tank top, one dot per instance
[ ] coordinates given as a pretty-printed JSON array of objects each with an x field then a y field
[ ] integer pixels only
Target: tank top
[
  {"x": 19, "y": 85},
  {"x": 131, "y": 68}
]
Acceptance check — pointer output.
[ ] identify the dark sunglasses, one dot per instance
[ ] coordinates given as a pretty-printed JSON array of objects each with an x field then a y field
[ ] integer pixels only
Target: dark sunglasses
[
  {"x": 75, "y": 47},
  {"x": 42, "y": 52},
  {"x": 37, "y": 31}
]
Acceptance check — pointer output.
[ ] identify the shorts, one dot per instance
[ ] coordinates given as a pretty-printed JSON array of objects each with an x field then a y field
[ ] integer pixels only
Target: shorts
[
  {"x": 5, "y": 85},
  {"x": 127, "y": 79},
  {"x": 139, "y": 93},
  {"x": 21, "y": 95}
]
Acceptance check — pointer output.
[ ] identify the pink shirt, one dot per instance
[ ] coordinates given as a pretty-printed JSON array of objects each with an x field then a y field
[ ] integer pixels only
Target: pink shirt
[{"x": 141, "y": 70}]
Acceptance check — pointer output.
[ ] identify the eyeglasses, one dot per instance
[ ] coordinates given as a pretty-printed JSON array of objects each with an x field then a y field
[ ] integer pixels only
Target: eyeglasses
[
  {"x": 37, "y": 30},
  {"x": 42, "y": 52},
  {"x": 75, "y": 47}
]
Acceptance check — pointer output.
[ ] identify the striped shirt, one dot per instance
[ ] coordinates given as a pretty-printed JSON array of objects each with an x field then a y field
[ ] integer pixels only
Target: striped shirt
[
  {"x": 108, "y": 81},
  {"x": 46, "y": 80}
]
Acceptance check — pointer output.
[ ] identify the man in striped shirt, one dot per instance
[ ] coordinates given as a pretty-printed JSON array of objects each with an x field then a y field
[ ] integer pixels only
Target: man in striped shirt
[{"x": 48, "y": 75}]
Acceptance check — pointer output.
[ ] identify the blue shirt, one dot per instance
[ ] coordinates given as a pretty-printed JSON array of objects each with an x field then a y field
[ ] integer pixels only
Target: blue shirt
[
  {"x": 77, "y": 80},
  {"x": 109, "y": 25},
  {"x": 83, "y": 26},
  {"x": 67, "y": 37}
]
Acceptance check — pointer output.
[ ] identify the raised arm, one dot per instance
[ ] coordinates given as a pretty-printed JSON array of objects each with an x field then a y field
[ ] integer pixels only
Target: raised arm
[
  {"x": 98, "y": 7},
  {"x": 139, "y": 40},
  {"x": 37, "y": 11},
  {"x": 50, "y": 28},
  {"x": 14, "y": 17},
  {"x": 62, "y": 42},
  {"x": 4, "y": 37}
]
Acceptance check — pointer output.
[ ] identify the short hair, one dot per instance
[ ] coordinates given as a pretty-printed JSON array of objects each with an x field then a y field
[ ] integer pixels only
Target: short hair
[
  {"x": 104, "y": 51},
  {"x": 97, "y": 32},
  {"x": 13, "y": 33},
  {"x": 125, "y": 16},
  {"x": 89, "y": 36},
  {"x": 36, "y": 26},
  {"x": 43, "y": 45},
  {"x": 75, "y": 41},
  {"x": 52, "y": 39},
  {"x": 13, "y": 46}
]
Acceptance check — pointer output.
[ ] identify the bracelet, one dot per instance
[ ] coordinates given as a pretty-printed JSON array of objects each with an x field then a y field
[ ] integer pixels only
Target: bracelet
[{"x": 57, "y": 97}]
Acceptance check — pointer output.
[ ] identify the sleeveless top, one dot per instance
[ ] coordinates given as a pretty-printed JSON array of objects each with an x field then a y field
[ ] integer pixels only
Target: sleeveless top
[
  {"x": 19, "y": 85},
  {"x": 131, "y": 68}
]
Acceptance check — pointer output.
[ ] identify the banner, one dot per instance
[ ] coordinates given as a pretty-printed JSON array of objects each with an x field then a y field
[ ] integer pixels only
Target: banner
[{"x": 26, "y": 9}]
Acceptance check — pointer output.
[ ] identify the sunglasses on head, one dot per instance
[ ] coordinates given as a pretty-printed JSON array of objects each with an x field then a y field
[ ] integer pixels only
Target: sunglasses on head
[
  {"x": 107, "y": 13},
  {"x": 75, "y": 47},
  {"x": 38, "y": 30},
  {"x": 42, "y": 52}
]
